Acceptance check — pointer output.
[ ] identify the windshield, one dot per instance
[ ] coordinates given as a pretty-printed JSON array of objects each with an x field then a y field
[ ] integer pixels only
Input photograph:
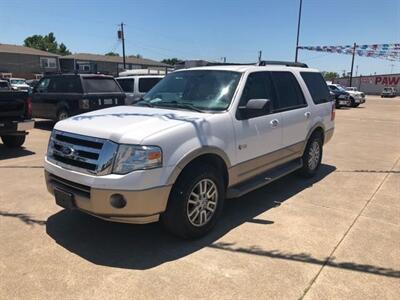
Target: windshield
[
  {"x": 340, "y": 88},
  {"x": 209, "y": 90},
  {"x": 18, "y": 81}
]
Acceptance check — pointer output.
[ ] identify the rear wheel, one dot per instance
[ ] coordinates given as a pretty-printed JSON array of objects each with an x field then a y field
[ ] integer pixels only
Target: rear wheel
[
  {"x": 13, "y": 141},
  {"x": 195, "y": 202},
  {"x": 62, "y": 114},
  {"x": 312, "y": 156}
]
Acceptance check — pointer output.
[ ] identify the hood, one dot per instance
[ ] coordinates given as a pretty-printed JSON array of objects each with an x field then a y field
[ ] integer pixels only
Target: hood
[
  {"x": 20, "y": 85},
  {"x": 128, "y": 124},
  {"x": 354, "y": 92}
]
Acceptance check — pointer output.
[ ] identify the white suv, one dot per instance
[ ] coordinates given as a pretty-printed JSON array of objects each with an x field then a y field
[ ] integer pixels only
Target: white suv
[
  {"x": 200, "y": 136},
  {"x": 135, "y": 87}
]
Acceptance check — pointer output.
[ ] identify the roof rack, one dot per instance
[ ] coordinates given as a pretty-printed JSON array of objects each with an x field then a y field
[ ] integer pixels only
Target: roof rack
[{"x": 282, "y": 63}]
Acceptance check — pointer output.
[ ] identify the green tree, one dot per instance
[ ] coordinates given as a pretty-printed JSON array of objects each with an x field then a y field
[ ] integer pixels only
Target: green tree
[
  {"x": 111, "y": 54},
  {"x": 171, "y": 61},
  {"x": 46, "y": 43},
  {"x": 137, "y": 56},
  {"x": 329, "y": 76}
]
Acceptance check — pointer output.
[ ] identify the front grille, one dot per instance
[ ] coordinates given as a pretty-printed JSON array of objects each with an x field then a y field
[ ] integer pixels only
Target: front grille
[
  {"x": 69, "y": 186},
  {"x": 81, "y": 153}
]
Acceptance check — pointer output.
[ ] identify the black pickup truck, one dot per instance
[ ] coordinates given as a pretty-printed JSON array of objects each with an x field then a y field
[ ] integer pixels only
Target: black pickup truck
[
  {"x": 15, "y": 117},
  {"x": 60, "y": 96}
]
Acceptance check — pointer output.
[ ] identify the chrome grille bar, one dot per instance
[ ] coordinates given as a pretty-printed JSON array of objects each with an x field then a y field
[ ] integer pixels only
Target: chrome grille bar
[{"x": 81, "y": 153}]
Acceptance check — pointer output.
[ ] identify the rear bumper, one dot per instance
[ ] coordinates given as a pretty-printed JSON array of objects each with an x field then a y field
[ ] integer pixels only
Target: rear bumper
[
  {"x": 13, "y": 127},
  {"x": 142, "y": 206}
]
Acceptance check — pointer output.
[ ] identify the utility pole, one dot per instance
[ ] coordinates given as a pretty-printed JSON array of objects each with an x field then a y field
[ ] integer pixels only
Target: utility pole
[
  {"x": 298, "y": 32},
  {"x": 121, "y": 36},
  {"x": 259, "y": 55},
  {"x": 352, "y": 64}
]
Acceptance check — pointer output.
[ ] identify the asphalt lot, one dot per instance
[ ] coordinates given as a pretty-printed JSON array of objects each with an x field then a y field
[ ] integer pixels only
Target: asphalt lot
[{"x": 335, "y": 236}]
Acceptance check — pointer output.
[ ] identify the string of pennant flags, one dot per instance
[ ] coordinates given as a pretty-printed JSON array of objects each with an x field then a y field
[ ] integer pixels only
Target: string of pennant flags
[{"x": 383, "y": 51}]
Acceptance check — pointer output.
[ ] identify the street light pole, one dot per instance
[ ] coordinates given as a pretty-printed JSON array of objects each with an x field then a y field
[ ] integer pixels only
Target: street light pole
[{"x": 298, "y": 31}]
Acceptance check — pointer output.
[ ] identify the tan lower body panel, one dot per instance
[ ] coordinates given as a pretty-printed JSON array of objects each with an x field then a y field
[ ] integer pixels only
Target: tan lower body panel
[
  {"x": 142, "y": 206},
  {"x": 253, "y": 167}
]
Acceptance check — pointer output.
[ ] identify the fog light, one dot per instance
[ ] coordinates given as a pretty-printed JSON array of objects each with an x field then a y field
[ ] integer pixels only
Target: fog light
[{"x": 117, "y": 201}]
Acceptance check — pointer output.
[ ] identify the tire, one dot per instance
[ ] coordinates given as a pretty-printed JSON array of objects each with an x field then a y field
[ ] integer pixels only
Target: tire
[
  {"x": 184, "y": 214},
  {"x": 62, "y": 114},
  {"x": 13, "y": 141},
  {"x": 312, "y": 163},
  {"x": 357, "y": 105},
  {"x": 353, "y": 102}
]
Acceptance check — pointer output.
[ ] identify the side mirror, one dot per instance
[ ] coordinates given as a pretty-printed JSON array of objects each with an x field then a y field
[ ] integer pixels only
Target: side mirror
[{"x": 255, "y": 108}]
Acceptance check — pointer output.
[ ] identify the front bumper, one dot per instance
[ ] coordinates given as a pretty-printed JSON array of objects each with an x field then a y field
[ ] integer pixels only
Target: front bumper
[
  {"x": 142, "y": 206},
  {"x": 12, "y": 127}
]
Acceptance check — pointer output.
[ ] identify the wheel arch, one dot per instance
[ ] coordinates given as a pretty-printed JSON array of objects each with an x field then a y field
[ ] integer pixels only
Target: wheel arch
[{"x": 211, "y": 155}]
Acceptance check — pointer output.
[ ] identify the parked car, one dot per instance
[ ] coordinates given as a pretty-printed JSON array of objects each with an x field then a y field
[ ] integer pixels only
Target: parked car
[
  {"x": 58, "y": 97},
  {"x": 135, "y": 87},
  {"x": 15, "y": 117},
  {"x": 5, "y": 85},
  {"x": 356, "y": 96},
  {"x": 389, "y": 92},
  {"x": 19, "y": 84},
  {"x": 342, "y": 97},
  {"x": 199, "y": 136}
]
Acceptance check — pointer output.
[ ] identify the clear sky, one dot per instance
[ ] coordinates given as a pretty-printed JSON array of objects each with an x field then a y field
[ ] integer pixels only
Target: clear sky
[{"x": 211, "y": 29}]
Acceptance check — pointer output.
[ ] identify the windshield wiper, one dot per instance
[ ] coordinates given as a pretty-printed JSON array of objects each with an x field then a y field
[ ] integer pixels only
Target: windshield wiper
[
  {"x": 180, "y": 105},
  {"x": 142, "y": 101}
]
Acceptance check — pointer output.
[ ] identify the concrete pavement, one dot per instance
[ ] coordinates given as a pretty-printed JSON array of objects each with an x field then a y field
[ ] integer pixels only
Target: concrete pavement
[{"x": 336, "y": 236}]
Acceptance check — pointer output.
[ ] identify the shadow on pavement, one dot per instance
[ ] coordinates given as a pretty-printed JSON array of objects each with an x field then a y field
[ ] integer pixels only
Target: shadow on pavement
[
  {"x": 6, "y": 153},
  {"x": 44, "y": 124},
  {"x": 146, "y": 246}
]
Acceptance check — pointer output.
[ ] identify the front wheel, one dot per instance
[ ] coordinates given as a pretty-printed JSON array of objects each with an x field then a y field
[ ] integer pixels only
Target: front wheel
[
  {"x": 195, "y": 202},
  {"x": 312, "y": 156},
  {"x": 13, "y": 141},
  {"x": 353, "y": 102}
]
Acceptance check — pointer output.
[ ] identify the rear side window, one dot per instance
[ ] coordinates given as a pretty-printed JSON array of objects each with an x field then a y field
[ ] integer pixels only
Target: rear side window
[
  {"x": 258, "y": 86},
  {"x": 64, "y": 85},
  {"x": 126, "y": 84},
  {"x": 146, "y": 84},
  {"x": 288, "y": 91},
  {"x": 317, "y": 87},
  {"x": 100, "y": 85}
]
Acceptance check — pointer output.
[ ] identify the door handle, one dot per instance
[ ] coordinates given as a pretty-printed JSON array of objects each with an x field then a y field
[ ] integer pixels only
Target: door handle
[
  {"x": 307, "y": 114},
  {"x": 274, "y": 123}
]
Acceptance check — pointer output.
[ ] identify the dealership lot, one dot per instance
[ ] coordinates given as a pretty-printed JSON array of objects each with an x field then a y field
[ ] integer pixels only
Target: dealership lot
[{"x": 333, "y": 236}]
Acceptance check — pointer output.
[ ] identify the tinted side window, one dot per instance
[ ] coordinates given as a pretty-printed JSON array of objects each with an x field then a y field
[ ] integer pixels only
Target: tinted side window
[
  {"x": 317, "y": 87},
  {"x": 64, "y": 85},
  {"x": 100, "y": 85},
  {"x": 288, "y": 91},
  {"x": 43, "y": 85},
  {"x": 258, "y": 86},
  {"x": 146, "y": 84},
  {"x": 127, "y": 84}
]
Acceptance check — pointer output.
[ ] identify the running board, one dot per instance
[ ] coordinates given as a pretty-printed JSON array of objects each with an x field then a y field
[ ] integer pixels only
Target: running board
[{"x": 264, "y": 178}]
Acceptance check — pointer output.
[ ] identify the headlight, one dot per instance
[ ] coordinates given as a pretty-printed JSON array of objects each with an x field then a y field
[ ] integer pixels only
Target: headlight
[{"x": 133, "y": 157}]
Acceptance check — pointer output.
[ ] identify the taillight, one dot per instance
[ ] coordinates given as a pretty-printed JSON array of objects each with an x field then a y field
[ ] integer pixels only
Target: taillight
[
  {"x": 28, "y": 107},
  {"x": 333, "y": 112}
]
